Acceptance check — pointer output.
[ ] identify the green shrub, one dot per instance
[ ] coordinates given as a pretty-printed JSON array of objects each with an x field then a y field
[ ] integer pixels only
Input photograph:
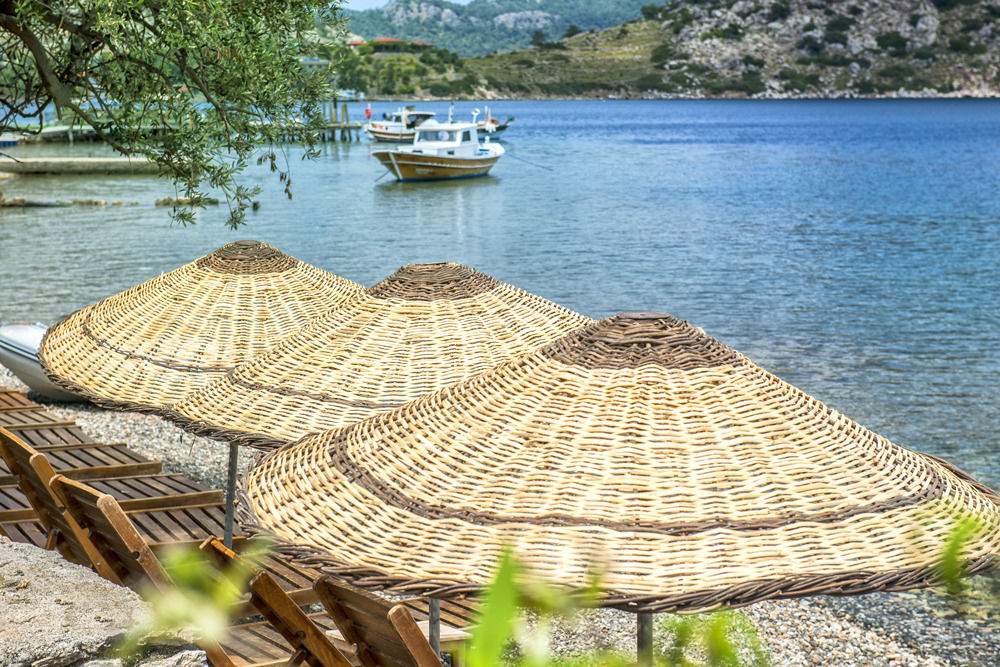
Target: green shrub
[
  {"x": 865, "y": 87},
  {"x": 662, "y": 53},
  {"x": 972, "y": 25},
  {"x": 650, "y": 11},
  {"x": 751, "y": 83},
  {"x": 777, "y": 11},
  {"x": 945, "y": 5},
  {"x": 898, "y": 71},
  {"x": 464, "y": 85},
  {"x": 809, "y": 27},
  {"x": 915, "y": 19},
  {"x": 827, "y": 60},
  {"x": 964, "y": 44},
  {"x": 925, "y": 53},
  {"x": 733, "y": 31},
  {"x": 993, "y": 11},
  {"x": 840, "y": 24},
  {"x": 653, "y": 82},
  {"x": 892, "y": 42},
  {"x": 524, "y": 62},
  {"x": 570, "y": 87},
  {"x": 795, "y": 80},
  {"x": 680, "y": 79},
  {"x": 835, "y": 37},
  {"x": 810, "y": 44},
  {"x": 559, "y": 58},
  {"x": 683, "y": 19},
  {"x": 572, "y": 30},
  {"x": 750, "y": 61},
  {"x": 855, "y": 10}
]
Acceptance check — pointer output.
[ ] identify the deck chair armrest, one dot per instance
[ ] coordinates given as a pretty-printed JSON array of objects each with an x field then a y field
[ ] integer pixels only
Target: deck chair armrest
[{"x": 174, "y": 501}]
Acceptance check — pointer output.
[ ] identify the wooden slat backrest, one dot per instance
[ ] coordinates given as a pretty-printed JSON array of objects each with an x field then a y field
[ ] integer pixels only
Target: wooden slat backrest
[
  {"x": 116, "y": 540},
  {"x": 96, "y": 472},
  {"x": 363, "y": 620},
  {"x": 64, "y": 533},
  {"x": 310, "y": 645},
  {"x": 295, "y": 580}
]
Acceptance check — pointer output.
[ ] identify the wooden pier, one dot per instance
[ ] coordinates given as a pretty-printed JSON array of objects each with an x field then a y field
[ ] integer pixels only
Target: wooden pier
[
  {"x": 78, "y": 165},
  {"x": 338, "y": 127}
]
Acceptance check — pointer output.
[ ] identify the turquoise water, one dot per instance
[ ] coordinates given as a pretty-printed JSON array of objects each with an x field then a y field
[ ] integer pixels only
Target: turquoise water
[{"x": 850, "y": 247}]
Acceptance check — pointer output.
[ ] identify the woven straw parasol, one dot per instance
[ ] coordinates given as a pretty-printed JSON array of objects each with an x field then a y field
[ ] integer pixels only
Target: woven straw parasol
[
  {"x": 694, "y": 477},
  {"x": 422, "y": 328},
  {"x": 145, "y": 348}
]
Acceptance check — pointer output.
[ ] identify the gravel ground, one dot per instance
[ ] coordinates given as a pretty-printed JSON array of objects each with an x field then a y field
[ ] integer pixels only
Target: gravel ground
[{"x": 917, "y": 628}]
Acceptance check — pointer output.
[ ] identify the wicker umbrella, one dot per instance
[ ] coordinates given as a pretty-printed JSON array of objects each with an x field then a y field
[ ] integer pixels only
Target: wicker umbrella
[
  {"x": 422, "y": 328},
  {"x": 695, "y": 477},
  {"x": 145, "y": 348}
]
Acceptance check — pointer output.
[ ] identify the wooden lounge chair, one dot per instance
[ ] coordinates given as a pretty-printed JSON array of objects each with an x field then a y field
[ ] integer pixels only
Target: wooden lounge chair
[
  {"x": 384, "y": 632},
  {"x": 289, "y": 637},
  {"x": 162, "y": 519}
]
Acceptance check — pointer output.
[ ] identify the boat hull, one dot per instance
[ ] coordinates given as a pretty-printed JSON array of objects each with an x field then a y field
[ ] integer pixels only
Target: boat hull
[
  {"x": 18, "y": 352},
  {"x": 390, "y": 136},
  {"x": 416, "y": 167}
]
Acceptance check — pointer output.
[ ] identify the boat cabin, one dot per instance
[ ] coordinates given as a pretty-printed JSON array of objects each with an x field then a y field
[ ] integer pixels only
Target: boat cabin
[
  {"x": 458, "y": 139},
  {"x": 410, "y": 118}
]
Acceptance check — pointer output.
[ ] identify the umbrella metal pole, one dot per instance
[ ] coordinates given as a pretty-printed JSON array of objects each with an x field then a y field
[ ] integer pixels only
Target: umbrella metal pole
[
  {"x": 231, "y": 494},
  {"x": 434, "y": 624},
  {"x": 644, "y": 639}
]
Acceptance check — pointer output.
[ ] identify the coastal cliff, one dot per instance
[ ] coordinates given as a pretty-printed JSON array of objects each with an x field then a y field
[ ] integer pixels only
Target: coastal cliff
[{"x": 765, "y": 49}]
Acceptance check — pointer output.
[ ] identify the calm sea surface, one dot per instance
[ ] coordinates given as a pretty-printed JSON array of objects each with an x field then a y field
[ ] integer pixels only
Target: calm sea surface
[{"x": 852, "y": 248}]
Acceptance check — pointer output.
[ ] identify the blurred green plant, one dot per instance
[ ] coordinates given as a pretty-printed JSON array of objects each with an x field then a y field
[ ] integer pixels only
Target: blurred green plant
[
  {"x": 951, "y": 567},
  {"x": 711, "y": 637},
  {"x": 200, "y": 599}
]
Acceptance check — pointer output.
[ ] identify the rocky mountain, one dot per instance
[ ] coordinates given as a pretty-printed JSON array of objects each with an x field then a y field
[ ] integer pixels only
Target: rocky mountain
[
  {"x": 485, "y": 26},
  {"x": 766, "y": 49}
]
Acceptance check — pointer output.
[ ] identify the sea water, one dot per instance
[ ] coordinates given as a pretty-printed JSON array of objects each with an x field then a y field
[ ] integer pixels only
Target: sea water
[{"x": 850, "y": 247}]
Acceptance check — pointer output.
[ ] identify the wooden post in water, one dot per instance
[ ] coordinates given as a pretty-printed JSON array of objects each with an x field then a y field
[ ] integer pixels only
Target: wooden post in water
[
  {"x": 644, "y": 639},
  {"x": 345, "y": 132}
]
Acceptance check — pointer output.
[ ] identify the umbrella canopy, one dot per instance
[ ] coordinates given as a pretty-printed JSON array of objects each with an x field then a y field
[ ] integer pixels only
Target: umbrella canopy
[
  {"x": 145, "y": 348},
  {"x": 693, "y": 477},
  {"x": 424, "y": 327}
]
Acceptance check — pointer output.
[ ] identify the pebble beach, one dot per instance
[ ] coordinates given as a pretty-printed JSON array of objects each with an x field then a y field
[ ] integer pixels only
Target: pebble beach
[{"x": 911, "y": 628}]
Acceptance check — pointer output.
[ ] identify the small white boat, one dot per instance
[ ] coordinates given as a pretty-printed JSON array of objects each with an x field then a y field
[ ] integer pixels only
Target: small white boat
[
  {"x": 491, "y": 127},
  {"x": 398, "y": 127},
  {"x": 19, "y": 353},
  {"x": 441, "y": 151}
]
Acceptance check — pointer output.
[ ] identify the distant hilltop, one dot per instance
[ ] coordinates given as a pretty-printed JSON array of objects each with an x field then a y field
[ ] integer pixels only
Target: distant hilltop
[
  {"x": 769, "y": 49},
  {"x": 485, "y": 26}
]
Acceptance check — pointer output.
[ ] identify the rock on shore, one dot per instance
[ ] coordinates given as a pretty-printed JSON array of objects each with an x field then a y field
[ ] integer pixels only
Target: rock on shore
[{"x": 55, "y": 613}]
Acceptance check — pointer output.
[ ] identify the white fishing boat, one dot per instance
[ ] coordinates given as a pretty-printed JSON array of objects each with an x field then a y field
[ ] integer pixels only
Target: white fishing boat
[
  {"x": 441, "y": 151},
  {"x": 398, "y": 127},
  {"x": 19, "y": 353},
  {"x": 491, "y": 127}
]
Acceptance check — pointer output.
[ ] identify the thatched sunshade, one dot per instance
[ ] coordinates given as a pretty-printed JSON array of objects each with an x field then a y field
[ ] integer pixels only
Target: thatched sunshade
[
  {"x": 694, "y": 476},
  {"x": 147, "y": 347},
  {"x": 422, "y": 328}
]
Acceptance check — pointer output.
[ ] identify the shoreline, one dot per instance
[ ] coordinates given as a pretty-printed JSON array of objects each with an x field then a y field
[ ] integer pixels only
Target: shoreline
[{"x": 909, "y": 628}]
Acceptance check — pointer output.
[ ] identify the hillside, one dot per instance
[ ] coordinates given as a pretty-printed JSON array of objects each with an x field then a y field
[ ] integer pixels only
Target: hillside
[
  {"x": 769, "y": 49},
  {"x": 486, "y": 26}
]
